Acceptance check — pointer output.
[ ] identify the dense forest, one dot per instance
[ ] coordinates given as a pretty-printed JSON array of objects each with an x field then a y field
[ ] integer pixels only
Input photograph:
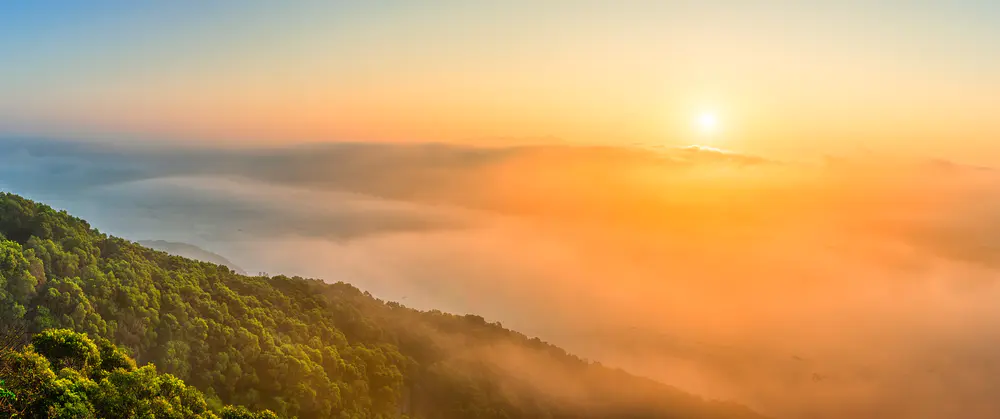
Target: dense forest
[
  {"x": 98, "y": 326},
  {"x": 64, "y": 374}
]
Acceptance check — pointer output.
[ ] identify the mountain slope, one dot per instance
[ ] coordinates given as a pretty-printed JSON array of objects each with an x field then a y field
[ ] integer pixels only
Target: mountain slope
[
  {"x": 301, "y": 347},
  {"x": 64, "y": 374},
  {"x": 191, "y": 251}
]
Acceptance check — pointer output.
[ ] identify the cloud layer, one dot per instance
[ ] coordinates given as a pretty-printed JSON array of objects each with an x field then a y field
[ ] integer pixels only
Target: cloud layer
[{"x": 860, "y": 287}]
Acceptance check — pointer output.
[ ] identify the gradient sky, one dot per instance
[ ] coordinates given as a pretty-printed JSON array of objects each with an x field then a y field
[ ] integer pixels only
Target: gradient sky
[{"x": 783, "y": 77}]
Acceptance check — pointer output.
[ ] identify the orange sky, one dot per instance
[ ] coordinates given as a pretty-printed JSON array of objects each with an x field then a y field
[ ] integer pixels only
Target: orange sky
[{"x": 783, "y": 79}]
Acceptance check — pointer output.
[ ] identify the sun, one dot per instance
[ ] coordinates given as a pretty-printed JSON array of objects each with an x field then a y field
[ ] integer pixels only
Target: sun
[{"x": 707, "y": 123}]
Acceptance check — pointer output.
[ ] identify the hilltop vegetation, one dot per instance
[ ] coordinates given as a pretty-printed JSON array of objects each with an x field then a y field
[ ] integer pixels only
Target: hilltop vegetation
[
  {"x": 64, "y": 374},
  {"x": 298, "y": 347}
]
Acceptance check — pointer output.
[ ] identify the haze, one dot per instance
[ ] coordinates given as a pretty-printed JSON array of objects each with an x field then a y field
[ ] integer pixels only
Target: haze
[{"x": 828, "y": 249}]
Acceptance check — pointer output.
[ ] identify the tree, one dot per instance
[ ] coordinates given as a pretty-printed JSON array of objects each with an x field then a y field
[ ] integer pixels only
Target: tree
[
  {"x": 7, "y": 399},
  {"x": 67, "y": 349},
  {"x": 240, "y": 412},
  {"x": 30, "y": 388},
  {"x": 17, "y": 285}
]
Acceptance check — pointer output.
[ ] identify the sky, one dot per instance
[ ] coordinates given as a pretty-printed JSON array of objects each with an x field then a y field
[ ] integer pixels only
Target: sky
[
  {"x": 827, "y": 249},
  {"x": 782, "y": 78}
]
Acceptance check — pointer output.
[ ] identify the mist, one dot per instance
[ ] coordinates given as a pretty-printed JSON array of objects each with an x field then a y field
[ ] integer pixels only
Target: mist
[{"x": 858, "y": 287}]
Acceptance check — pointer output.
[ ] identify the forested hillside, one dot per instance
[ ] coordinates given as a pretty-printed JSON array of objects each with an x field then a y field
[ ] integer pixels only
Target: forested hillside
[
  {"x": 298, "y": 347},
  {"x": 64, "y": 374}
]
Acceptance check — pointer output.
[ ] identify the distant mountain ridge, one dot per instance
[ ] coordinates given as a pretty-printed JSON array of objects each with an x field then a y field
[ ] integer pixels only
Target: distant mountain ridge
[{"x": 191, "y": 251}]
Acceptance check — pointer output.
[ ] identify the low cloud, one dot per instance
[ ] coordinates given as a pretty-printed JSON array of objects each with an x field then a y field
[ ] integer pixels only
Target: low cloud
[
  {"x": 861, "y": 287},
  {"x": 237, "y": 209}
]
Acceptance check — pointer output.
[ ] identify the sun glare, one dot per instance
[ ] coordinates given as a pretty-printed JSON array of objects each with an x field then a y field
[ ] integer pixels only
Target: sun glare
[{"x": 707, "y": 123}]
